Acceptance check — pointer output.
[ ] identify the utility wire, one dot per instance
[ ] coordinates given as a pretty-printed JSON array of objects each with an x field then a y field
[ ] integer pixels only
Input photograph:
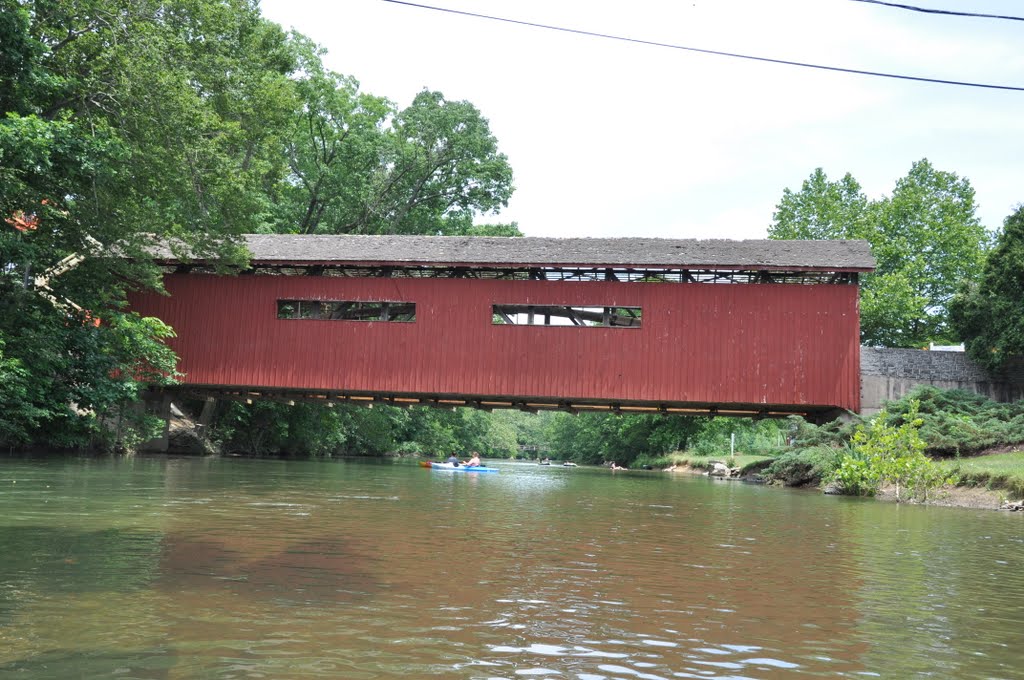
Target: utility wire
[
  {"x": 653, "y": 43},
  {"x": 927, "y": 10}
]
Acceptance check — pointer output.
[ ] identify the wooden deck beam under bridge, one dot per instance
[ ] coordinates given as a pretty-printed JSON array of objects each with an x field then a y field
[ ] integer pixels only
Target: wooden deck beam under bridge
[{"x": 331, "y": 398}]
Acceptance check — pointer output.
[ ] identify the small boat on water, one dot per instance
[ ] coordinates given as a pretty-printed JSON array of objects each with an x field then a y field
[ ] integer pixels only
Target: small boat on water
[
  {"x": 462, "y": 468},
  {"x": 569, "y": 463}
]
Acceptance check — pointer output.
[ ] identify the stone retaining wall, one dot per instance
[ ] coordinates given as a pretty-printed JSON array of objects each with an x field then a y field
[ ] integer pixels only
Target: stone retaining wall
[{"x": 888, "y": 374}]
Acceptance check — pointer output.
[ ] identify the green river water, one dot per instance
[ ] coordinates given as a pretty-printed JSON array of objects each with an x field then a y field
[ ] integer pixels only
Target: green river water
[{"x": 229, "y": 568}]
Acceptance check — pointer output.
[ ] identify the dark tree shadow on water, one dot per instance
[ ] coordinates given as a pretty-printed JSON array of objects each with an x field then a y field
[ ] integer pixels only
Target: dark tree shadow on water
[
  {"x": 58, "y": 560},
  {"x": 139, "y": 664}
]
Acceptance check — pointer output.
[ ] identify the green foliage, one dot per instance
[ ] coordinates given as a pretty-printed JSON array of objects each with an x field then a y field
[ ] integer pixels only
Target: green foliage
[
  {"x": 988, "y": 313},
  {"x": 822, "y": 210},
  {"x": 805, "y": 466},
  {"x": 715, "y": 436},
  {"x": 926, "y": 239},
  {"x": 358, "y": 165},
  {"x": 20, "y": 414},
  {"x": 835, "y": 434},
  {"x": 949, "y": 422},
  {"x": 272, "y": 428},
  {"x": 594, "y": 438},
  {"x": 334, "y": 148},
  {"x": 1001, "y": 471},
  {"x": 956, "y": 422},
  {"x": 856, "y": 475},
  {"x": 16, "y": 54},
  {"x": 70, "y": 383},
  {"x": 438, "y": 432},
  {"x": 508, "y": 230},
  {"x": 529, "y": 430},
  {"x": 195, "y": 121},
  {"x": 121, "y": 120},
  {"x": 889, "y": 452},
  {"x": 646, "y": 440},
  {"x": 315, "y": 430}
]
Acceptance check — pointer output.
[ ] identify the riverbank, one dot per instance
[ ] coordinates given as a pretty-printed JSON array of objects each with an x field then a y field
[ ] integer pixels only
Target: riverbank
[
  {"x": 928, "y": 435},
  {"x": 977, "y": 497},
  {"x": 988, "y": 481}
]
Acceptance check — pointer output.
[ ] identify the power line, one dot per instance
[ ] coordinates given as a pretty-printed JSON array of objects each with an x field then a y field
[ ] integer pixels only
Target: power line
[
  {"x": 653, "y": 43},
  {"x": 926, "y": 10}
]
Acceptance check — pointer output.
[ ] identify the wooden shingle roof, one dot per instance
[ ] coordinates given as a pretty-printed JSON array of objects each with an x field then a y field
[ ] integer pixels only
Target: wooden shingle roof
[{"x": 497, "y": 252}]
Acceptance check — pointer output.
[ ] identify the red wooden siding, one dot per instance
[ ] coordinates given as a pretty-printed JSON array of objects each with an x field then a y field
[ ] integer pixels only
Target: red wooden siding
[{"x": 770, "y": 344}]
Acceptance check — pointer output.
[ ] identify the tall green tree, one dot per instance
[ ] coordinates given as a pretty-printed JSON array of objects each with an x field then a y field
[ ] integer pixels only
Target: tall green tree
[
  {"x": 925, "y": 237},
  {"x": 121, "y": 121},
  {"x": 359, "y": 165},
  {"x": 334, "y": 147},
  {"x": 822, "y": 210},
  {"x": 989, "y": 314},
  {"x": 192, "y": 122},
  {"x": 443, "y": 167}
]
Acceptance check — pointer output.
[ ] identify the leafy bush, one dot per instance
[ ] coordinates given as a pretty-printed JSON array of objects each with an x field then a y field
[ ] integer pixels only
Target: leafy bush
[
  {"x": 857, "y": 475},
  {"x": 889, "y": 450},
  {"x": 802, "y": 467}
]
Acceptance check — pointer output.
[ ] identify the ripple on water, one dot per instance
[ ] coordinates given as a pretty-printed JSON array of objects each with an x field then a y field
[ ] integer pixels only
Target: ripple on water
[{"x": 243, "y": 569}]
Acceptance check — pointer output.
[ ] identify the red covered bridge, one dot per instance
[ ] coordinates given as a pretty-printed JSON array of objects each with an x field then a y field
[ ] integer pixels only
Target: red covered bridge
[{"x": 758, "y": 328}]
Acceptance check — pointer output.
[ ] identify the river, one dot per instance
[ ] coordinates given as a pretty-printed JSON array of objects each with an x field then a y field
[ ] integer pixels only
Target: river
[{"x": 230, "y": 568}]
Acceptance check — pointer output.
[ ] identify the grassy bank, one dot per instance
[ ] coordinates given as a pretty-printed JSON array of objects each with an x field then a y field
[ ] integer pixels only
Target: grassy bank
[{"x": 997, "y": 471}]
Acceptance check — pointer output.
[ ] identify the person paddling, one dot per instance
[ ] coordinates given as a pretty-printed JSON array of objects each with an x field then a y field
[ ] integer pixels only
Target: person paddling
[
  {"x": 474, "y": 460},
  {"x": 454, "y": 460}
]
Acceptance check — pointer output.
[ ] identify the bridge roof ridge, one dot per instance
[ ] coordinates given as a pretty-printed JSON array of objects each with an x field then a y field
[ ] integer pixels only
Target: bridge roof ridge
[{"x": 504, "y": 252}]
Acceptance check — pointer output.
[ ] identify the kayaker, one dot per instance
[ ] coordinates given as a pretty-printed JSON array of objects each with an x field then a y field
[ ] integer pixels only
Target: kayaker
[
  {"x": 474, "y": 460},
  {"x": 616, "y": 466},
  {"x": 454, "y": 460}
]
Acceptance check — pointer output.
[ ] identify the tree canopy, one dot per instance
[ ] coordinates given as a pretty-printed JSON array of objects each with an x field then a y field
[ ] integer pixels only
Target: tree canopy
[
  {"x": 989, "y": 313},
  {"x": 357, "y": 164},
  {"x": 925, "y": 237},
  {"x": 191, "y": 121}
]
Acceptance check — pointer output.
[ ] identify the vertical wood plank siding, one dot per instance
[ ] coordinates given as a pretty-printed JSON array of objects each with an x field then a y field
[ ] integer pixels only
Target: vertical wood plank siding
[{"x": 702, "y": 343}]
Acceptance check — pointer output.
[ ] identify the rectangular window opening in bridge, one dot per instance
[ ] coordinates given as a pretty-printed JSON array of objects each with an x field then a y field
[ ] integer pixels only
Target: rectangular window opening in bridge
[
  {"x": 565, "y": 315},
  {"x": 347, "y": 310}
]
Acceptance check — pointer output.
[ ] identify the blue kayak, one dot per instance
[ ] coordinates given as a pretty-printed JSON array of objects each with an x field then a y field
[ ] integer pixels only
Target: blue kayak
[{"x": 462, "y": 468}]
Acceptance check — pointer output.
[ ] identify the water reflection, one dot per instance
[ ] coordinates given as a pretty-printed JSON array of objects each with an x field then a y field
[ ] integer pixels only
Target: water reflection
[{"x": 237, "y": 569}]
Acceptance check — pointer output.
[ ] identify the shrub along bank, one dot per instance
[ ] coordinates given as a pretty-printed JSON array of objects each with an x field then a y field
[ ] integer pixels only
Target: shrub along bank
[{"x": 927, "y": 439}]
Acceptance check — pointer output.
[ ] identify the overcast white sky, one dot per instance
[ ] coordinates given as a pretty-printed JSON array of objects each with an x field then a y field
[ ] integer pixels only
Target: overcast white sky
[{"x": 608, "y": 138}]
